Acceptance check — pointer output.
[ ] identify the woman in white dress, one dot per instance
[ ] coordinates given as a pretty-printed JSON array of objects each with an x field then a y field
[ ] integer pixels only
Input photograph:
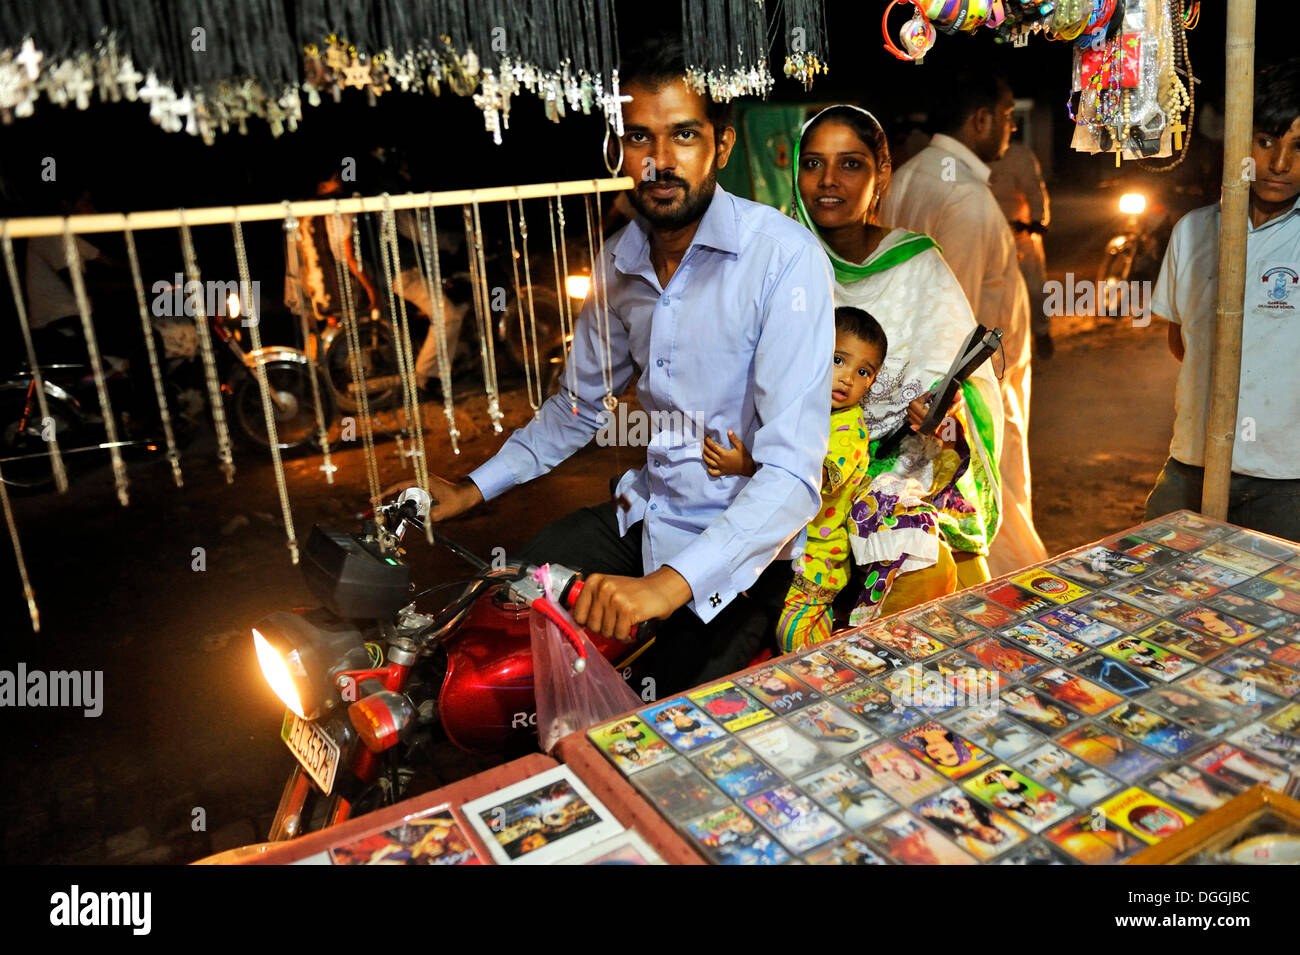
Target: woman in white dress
[{"x": 924, "y": 526}]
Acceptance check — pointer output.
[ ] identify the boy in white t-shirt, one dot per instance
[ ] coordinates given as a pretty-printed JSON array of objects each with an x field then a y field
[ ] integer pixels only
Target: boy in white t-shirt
[{"x": 1265, "y": 488}]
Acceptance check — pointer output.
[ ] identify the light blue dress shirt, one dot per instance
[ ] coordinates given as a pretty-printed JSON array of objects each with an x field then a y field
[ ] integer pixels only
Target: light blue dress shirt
[{"x": 741, "y": 339}]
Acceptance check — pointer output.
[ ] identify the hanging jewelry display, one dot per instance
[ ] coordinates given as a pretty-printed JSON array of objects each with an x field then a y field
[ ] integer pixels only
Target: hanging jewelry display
[
  {"x": 406, "y": 355},
  {"x": 806, "y": 40},
  {"x": 600, "y": 310},
  {"x": 564, "y": 52},
  {"x": 726, "y": 48},
  {"x": 73, "y": 257},
  {"x": 387, "y": 257},
  {"x": 532, "y": 360},
  {"x": 38, "y": 380},
  {"x": 305, "y": 315},
  {"x": 196, "y": 308},
  {"x": 253, "y": 323},
  {"x": 155, "y": 370},
  {"x": 338, "y": 250},
  {"x": 560, "y": 254},
  {"x": 433, "y": 277},
  {"x": 482, "y": 309}
]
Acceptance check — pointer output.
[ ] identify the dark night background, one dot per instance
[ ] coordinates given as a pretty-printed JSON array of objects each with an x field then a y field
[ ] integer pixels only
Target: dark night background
[{"x": 189, "y": 722}]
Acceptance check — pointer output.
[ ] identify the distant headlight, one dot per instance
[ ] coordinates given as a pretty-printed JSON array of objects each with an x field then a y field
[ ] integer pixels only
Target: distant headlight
[
  {"x": 578, "y": 286},
  {"x": 1132, "y": 203}
]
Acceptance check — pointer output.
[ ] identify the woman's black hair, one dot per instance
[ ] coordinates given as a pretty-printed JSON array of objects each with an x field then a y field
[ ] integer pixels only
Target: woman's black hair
[
  {"x": 1277, "y": 97},
  {"x": 861, "y": 325}
]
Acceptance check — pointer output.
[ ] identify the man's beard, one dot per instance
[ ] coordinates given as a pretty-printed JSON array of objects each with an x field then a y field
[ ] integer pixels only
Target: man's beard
[{"x": 688, "y": 208}]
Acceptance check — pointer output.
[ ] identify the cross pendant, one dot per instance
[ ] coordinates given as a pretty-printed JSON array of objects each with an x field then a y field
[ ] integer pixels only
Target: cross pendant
[{"x": 1178, "y": 129}]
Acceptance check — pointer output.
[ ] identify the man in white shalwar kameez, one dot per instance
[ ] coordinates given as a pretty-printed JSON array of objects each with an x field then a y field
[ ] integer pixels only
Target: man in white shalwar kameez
[{"x": 944, "y": 191}]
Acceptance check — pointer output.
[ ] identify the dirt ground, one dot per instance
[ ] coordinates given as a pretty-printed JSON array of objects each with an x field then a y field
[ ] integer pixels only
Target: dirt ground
[{"x": 185, "y": 759}]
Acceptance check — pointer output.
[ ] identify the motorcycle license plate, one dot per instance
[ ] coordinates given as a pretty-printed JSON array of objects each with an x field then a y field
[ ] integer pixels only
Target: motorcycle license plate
[{"x": 313, "y": 748}]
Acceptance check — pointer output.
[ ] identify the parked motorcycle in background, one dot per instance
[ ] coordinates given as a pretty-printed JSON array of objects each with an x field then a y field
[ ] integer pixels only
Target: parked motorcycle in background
[{"x": 1134, "y": 253}]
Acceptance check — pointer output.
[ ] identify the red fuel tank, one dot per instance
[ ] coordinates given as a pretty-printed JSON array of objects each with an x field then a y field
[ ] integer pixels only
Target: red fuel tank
[{"x": 486, "y": 701}]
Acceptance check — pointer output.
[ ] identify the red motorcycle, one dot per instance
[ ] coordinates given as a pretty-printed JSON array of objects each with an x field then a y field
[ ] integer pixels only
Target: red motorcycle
[{"x": 370, "y": 682}]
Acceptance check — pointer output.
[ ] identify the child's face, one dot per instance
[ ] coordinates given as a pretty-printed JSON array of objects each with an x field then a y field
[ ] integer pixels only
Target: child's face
[
  {"x": 853, "y": 369},
  {"x": 1277, "y": 165}
]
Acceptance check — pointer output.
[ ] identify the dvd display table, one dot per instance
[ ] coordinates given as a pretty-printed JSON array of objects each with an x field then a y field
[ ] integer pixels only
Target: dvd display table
[{"x": 1077, "y": 711}]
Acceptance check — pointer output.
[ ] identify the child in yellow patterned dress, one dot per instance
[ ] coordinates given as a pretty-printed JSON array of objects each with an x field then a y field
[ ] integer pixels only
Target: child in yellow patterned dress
[{"x": 823, "y": 570}]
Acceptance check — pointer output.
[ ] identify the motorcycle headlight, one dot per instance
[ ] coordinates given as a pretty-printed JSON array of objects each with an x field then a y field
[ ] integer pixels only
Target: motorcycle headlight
[
  {"x": 300, "y": 654},
  {"x": 1132, "y": 203},
  {"x": 578, "y": 286}
]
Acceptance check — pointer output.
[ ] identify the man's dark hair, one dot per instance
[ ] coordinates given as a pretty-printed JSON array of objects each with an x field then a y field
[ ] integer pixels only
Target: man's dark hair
[
  {"x": 1277, "y": 97},
  {"x": 962, "y": 95},
  {"x": 861, "y": 325},
  {"x": 659, "y": 59}
]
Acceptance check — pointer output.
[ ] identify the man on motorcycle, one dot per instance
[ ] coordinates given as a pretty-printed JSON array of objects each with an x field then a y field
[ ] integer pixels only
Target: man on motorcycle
[{"x": 721, "y": 308}]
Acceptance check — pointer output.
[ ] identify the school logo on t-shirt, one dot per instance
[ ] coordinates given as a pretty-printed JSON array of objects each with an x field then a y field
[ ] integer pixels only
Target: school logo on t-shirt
[{"x": 1280, "y": 283}]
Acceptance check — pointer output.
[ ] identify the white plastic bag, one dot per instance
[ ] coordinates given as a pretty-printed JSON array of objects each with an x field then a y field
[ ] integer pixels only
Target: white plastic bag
[{"x": 571, "y": 696}]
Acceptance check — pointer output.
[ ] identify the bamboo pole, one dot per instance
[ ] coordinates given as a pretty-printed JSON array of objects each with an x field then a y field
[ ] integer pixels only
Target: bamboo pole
[
  {"x": 225, "y": 215},
  {"x": 1225, "y": 359}
]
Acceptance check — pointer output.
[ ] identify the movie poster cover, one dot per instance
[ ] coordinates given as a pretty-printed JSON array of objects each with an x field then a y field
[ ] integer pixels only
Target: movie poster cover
[
  {"x": 1184, "y": 642},
  {"x": 1111, "y": 751},
  {"x": 832, "y": 728},
  {"x": 785, "y": 749},
  {"x": 983, "y": 832},
  {"x": 847, "y": 795},
  {"x": 1009, "y": 660},
  {"x": 1025, "y": 802},
  {"x": 1066, "y": 774},
  {"x": 1152, "y": 730},
  {"x": 1190, "y": 789},
  {"x": 942, "y": 749},
  {"x": 908, "y": 841},
  {"x": 897, "y": 774},
  {"x": 540, "y": 820},
  {"x": 678, "y": 790},
  {"x": 430, "y": 837},
  {"x": 729, "y": 705},
  {"x": 683, "y": 724},
  {"x": 1149, "y": 818},
  {"x": 736, "y": 770},
  {"x": 1074, "y": 625},
  {"x": 798, "y": 822},
  {"x": 730, "y": 836},
  {"x": 630, "y": 744},
  {"x": 777, "y": 690},
  {"x": 1148, "y": 659}
]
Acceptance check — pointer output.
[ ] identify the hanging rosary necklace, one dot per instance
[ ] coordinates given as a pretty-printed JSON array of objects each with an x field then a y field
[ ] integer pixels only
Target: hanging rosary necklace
[
  {"x": 73, "y": 256},
  {"x": 38, "y": 380},
  {"x": 482, "y": 302},
  {"x": 263, "y": 386},
  {"x": 294, "y": 237},
  {"x": 532, "y": 360},
  {"x": 338, "y": 241},
  {"x": 560, "y": 256},
  {"x": 194, "y": 284},
  {"x": 433, "y": 277},
  {"x": 387, "y": 255},
  {"x": 601, "y": 310},
  {"x": 155, "y": 370},
  {"x": 406, "y": 356}
]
